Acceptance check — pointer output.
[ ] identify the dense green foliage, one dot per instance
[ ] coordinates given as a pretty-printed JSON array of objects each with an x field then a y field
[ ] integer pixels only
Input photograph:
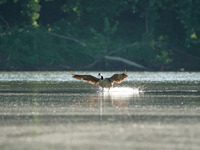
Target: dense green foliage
[{"x": 78, "y": 34}]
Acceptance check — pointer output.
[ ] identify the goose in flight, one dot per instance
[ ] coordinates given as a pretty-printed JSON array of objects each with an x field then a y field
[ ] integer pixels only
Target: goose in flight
[{"x": 103, "y": 82}]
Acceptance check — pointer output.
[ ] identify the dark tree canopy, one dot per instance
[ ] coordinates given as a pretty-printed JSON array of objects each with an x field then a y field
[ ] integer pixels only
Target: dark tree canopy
[{"x": 99, "y": 34}]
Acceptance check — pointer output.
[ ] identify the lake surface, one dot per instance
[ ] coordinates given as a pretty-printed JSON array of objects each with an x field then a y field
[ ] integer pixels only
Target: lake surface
[{"x": 147, "y": 111}]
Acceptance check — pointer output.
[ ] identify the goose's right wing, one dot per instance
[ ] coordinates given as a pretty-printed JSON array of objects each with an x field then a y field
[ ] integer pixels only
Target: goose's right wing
[
  {"x": 118, "y": 77},
  {"x": 88, "y": 78}
]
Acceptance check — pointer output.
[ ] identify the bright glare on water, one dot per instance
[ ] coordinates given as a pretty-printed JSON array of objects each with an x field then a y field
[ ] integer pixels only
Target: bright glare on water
[
  {"x": 121, "y": 91},
  {"x": 124, "y": 90},
  {"x": 52, "y": 110},
  {"x": 133, "y": 76}
]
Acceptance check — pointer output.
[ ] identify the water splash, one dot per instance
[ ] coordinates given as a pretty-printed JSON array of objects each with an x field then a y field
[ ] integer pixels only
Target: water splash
[{"x": 121, "y": 92}]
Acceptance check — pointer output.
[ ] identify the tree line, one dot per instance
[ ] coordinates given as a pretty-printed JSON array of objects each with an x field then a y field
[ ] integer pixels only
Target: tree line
[{"x": 99, "y": 34}]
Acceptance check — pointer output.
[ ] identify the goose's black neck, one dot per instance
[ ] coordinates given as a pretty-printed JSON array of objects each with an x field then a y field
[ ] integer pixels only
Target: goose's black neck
[{"x": 101, "y": 77}]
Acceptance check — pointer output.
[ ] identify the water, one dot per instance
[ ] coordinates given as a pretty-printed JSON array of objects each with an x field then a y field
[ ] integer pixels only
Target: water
[{"x": 51, "y": 110}]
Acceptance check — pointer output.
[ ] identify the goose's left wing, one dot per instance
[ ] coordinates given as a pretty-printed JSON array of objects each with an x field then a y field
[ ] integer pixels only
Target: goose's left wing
[
  {"x": 88, "y": 78},
  {"x": 118, "y": 77}
]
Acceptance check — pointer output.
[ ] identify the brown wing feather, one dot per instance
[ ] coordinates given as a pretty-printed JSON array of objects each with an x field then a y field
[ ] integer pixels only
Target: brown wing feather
[
  {"x": 118, "y": 77},
  {"x": 88, "y": 78}
]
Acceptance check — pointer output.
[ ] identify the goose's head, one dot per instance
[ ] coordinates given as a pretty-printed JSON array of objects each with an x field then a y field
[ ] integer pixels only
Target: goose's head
[{"x": 99, "y": 74}]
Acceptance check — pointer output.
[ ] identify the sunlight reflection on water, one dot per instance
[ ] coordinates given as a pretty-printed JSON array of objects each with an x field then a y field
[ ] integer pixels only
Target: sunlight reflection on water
[
  {"x": 44, "y": 106},
  {"x": 121, "y": 92},
  {"x": 124, "y": 90},
  {"x": 63, "y": 76}
]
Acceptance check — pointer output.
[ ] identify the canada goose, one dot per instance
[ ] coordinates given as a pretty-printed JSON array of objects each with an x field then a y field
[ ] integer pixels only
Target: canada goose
[{"x": 103, "y": 82}]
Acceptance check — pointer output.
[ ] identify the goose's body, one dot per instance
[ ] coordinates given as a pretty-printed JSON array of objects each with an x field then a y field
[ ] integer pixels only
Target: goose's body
[{"x": 103, "y": 82}]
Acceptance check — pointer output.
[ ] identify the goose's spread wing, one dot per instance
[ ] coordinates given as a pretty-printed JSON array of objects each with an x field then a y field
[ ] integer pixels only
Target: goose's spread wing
[
  {"x": 88, "y": 78},
  {"x": 118, "y": 77}
]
